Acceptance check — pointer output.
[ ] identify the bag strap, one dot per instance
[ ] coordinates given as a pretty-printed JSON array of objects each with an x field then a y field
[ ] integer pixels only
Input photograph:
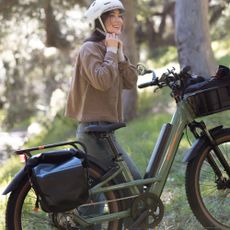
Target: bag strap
[{"x": 55, "y": 157}]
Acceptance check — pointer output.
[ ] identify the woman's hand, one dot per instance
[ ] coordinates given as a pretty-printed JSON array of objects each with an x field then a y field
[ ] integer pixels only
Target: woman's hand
[
  {"x": 121, "y": 56},
  {"x": 115, "y": 45},
  {"x": 112, "y": 40}
]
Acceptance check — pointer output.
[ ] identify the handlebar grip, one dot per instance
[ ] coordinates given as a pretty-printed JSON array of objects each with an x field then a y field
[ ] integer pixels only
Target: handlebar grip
[
  {"x": 144, "y": 85},
  {"x": 148, "y": 71},
  {"x": 186, "y": 69}
]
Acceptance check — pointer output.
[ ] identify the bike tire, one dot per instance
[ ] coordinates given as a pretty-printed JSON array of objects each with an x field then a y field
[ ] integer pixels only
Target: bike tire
[
  {"x": 210, "y": 205},
  {"x": 21, "y": 216}
]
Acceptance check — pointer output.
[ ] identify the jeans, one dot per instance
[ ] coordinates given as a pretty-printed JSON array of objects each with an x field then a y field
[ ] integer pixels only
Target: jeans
[{"x": 100, "y": 149}]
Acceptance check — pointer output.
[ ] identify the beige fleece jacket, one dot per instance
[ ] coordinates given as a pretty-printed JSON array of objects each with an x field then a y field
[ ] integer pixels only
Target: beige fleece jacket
[{"x": 96, "y": 89}]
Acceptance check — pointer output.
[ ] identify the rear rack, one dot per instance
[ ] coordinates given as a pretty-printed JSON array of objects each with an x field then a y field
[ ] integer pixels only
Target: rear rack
[{"x": 42, "y": 147}]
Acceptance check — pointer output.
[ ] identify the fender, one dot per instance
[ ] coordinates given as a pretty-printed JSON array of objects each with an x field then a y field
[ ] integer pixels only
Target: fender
[
  {"x": 200, "y": 144},
  {"x": 22, "y": 174}
]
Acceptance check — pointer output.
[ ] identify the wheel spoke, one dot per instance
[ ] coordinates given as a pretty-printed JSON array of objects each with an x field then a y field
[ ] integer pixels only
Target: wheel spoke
[{"x": 207, "y": 193}]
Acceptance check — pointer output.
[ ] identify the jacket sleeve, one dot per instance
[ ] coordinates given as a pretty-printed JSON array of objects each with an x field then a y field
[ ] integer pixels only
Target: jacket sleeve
[
  {"x": 128, "y": 73},
  {"x": 101, "y": 70}
]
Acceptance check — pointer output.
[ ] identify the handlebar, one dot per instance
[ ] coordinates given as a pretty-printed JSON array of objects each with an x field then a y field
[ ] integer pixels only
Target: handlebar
[
  {"x": 147, "y": 84},
  {"x": 175, "y": 81}
]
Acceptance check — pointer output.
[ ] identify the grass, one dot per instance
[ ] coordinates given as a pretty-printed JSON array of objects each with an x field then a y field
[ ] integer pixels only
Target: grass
[
  {"x": 7, "y": 172},
  {"x": 140, "y": 136}
]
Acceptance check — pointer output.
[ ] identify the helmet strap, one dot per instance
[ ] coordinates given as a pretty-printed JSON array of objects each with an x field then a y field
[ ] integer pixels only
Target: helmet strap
[
  {"x": 101, "y": 31},
  {"x": 102, "y": 24}
]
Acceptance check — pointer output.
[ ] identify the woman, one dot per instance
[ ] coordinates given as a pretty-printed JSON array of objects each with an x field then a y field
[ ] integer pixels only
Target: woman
[{"x": 102, "y": 71}]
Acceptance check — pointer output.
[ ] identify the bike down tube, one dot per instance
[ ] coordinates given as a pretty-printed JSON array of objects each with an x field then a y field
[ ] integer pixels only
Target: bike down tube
[
  {"x": 130, "y": 183},
  {"x": 180, "y": 119}
]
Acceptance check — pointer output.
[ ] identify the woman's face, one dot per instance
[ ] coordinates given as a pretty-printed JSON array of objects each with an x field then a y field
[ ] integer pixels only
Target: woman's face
[{"x": 114, "y": 22}]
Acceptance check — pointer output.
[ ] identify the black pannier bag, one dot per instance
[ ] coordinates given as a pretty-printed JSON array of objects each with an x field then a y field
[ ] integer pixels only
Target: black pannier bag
[
  {"x": 59, "y": 180},
  {"x": 210, "y": 96}
]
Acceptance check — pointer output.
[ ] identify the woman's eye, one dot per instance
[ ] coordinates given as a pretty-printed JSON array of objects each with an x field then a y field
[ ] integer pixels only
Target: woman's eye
[{"x": 114, "y": 17}]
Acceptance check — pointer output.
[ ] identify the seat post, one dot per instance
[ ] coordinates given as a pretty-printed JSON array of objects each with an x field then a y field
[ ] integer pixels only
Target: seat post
[
  {"x": 113, "y": 147},
  {"x": 105, "y": 131}
]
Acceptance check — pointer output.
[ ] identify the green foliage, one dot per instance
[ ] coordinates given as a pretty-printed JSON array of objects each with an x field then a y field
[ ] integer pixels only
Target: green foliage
[
  {"x": 218, "y": 119},
  {"x": 140, "y": 135},
  {"x": 225, "y": 60},
  {"x": 169, "y": 56},
  {"x": 221, "y": 51},
  {"x": 154, "y": 101},
  {"x": 30, "y": 71},
  {"x": 220, "y": 29},
  {"x": 59, "y": 130},
  {"x": 7, "y": 172},
  {"x": 145, "y": 101},
  {"x": 164, "y": 55},
  {"x": 9, "y": 169}
]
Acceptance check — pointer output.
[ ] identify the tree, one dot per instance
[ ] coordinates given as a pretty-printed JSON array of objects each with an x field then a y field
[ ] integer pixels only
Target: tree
[
  {"x": 30, "y": 70},
  {"x": 20, "y": 94},
  {"x": 130, "y": 96},
  {"x": 155, "y": 23},
  {"x": 193, "y": 38}
]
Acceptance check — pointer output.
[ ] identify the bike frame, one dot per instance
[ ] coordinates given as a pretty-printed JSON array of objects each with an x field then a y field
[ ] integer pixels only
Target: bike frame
[{"x": 155, "y": 183}]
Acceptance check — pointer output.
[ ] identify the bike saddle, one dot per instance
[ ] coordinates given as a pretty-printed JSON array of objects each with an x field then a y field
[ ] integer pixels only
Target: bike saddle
[{"x": 105, "y": 128}]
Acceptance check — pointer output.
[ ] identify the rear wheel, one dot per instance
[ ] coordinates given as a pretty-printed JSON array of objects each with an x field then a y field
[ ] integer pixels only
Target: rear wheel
[
  {"x": 22, "y": 215},
  {"x": 209, "y": 193}
]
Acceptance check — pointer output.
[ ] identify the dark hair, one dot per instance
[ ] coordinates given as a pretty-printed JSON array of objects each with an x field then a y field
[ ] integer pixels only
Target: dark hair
[{"x": 97, "y": 36}]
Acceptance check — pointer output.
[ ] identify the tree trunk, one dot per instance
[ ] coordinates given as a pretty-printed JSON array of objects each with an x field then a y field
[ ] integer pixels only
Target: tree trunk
[
  {"x": 130, "y": 96},
  {"x": 193, "y": 38},
  {"x": 54, "y": 37}
]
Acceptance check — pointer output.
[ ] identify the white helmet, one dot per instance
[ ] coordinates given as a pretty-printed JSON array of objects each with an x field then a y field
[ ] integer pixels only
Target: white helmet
[{"x": 98, "y": 7}]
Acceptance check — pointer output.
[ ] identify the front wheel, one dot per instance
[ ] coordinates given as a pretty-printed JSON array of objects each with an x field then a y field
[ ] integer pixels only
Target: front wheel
[
  {"x": 208, "y": 184},
  {"x": 21, "y": 213}
]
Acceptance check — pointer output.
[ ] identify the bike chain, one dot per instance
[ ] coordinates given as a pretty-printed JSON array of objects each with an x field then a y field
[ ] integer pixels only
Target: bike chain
[
  {"x": 108, "y": 201},
  {"x": 66, "y": 220},
  {"x": 147, "y": 210}
]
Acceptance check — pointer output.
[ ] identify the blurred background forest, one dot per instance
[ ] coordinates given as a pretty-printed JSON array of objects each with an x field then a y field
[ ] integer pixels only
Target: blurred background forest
[{"x": 39, "y": 41}]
